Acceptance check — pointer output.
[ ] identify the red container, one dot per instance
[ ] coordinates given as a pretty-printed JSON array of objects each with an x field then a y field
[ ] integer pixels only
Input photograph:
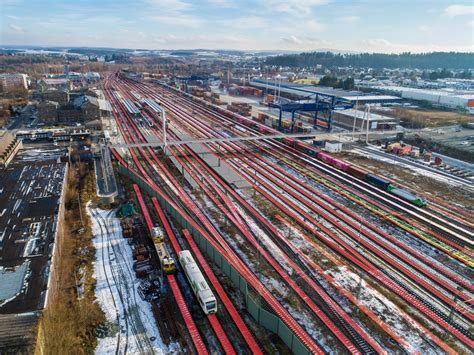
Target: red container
[
  {"x": 264, "y": 129},
  {"x": 324, "y": 157},
  {"x": 289, "y": 141},
  {"x": 301, "y": 146},
  {"x": 438, "y": 160},
  {"x": 342, "y": 165},
  {"x": 357, "y": 172}
]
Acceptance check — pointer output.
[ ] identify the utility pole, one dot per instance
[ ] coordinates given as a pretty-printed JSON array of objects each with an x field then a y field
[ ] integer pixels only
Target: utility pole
[
  {"x": 279, "y": 88},
  {"x": 163, "y": 119},
  {"x": 368, "y": 122},
  {"x": 355, "y": 114},
  {"x": 164, "y": 129}
]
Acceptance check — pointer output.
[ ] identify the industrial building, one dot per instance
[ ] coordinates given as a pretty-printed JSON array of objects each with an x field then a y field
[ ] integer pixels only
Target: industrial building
[
  {"x": 9, "y": 146},
  {"x": 92, "y": 108},
  {"x": 304, "y": 91},
  {"x": 54, "y": 83},
  {"x": 69, "y": 114},
  {"x": 89, "y": 106},
  {"x": 29, "y": 222},
  {"x": 83, "y": 108},
  {"x": 59, "y": 96},
  {"x": 48, "y": 111},
  {"x": 57, "y": 134},
  {"x": 345, "y": 119},
  {"x": 13, "y": 81},
  {"x": 448, "y": 99},
  {"x": 76, "y": 77}
]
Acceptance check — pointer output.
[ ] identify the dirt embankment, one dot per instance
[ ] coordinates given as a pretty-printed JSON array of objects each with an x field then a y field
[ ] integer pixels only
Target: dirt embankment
[
  {"x": 410, "y": 178},
  {"x": 68, "y": 325},
  {"x": 420, "y": 118}
]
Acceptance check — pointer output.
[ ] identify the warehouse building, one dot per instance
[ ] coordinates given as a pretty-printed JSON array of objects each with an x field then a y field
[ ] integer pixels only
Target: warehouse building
[
  {"x": 50, "y": 83},
  {"x": 48, "y": 111},
  {"x": 13, "y": 81},
  {"x": 59, "y": 96},
  {"x": 345, "y": 119},
  {"x": 69, "y": 114},
  {"x": 89, "y": 106},
  {"x": 299, "y": 91},
  {"x": 448, "y": 99},
  {"x": 9, "y": 146}
]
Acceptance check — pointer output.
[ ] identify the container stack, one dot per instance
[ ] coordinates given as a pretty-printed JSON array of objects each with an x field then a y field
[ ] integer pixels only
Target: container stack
[
  {"x": 244, "y": 91},
  {"x": 126, "y": 228},
  {"x": 242, "y": 108},
  {"x": 142, "y": 264}
]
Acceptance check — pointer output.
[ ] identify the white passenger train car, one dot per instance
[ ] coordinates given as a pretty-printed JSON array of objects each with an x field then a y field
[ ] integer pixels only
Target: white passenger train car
[{"x": 201, "y": 289}]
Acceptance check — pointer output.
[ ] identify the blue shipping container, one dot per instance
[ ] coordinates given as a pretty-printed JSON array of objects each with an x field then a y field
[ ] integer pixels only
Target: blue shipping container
[{"x": 378, "y": 181}]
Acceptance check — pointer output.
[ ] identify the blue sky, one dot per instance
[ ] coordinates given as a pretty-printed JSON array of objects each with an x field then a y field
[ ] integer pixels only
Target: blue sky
[{"x": 357, "y": 25}]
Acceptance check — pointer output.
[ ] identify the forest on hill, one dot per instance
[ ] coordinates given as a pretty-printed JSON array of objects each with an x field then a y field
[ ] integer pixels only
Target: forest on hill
[{"x": 433, "y": 60}]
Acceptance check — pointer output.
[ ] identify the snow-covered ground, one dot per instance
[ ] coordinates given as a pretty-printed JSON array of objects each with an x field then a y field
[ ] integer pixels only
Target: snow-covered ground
[{"x": 117, "y": 292}]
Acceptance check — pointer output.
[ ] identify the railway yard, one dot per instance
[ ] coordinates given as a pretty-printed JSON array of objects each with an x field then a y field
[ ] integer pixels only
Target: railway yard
[
  {"x": 242, "y": 244},
  {"x": 296, "y": 245}
]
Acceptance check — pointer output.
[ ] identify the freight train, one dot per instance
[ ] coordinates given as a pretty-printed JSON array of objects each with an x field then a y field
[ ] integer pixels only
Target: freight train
[
  {"x": 201, "y": 289},
  {"x": 354, "y": 171},
  {"x": 316, "y": 153},
  {"x": 166, "y": 260}
]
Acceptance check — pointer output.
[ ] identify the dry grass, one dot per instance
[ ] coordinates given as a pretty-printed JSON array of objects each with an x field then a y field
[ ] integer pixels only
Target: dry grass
[
  {"x": 410, "y": 178},
  {"x": 427, "y": 118},
  {"x": 68, "y": 325}
]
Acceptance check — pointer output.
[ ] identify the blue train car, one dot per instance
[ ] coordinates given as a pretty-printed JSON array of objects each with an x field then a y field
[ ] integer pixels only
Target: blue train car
[{"x": 378, "y": 181}]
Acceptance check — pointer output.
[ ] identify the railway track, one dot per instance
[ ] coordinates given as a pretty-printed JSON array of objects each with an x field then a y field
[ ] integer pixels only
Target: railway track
[
  {"x": 121, "y": 276},
  {"x": 425, "y": 233},
  {"x": 214, "y": 321},
  {"x": 236, "y": 220},
  {"x": 330, "y": 309},
  {"x": 436, "y": 223},
  {"x": 117, "y": 312},
  {"x": 210, "y": 112},
  {"x": 238, "y": 263}
]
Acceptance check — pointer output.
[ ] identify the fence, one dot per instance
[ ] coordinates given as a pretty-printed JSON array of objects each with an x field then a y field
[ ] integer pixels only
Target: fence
[{"x": 253, "y": 304}]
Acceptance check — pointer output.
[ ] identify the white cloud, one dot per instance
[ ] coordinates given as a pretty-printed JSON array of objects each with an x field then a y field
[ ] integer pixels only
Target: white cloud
[
  {"x": 459, "y": 10},
  {"x": 385, "y": 46},
  {"x": 15, "y": 28},
  {"x": 305, "y": 43},
  {"x": 349, "y": 19},
  {"x": 470, "y": 24},
  {"x": 314, "y": 26},
  {"x": 294, "y": 7},
  {"x": 292, "y": 40},
  {"x": 378, "y": 42}
]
